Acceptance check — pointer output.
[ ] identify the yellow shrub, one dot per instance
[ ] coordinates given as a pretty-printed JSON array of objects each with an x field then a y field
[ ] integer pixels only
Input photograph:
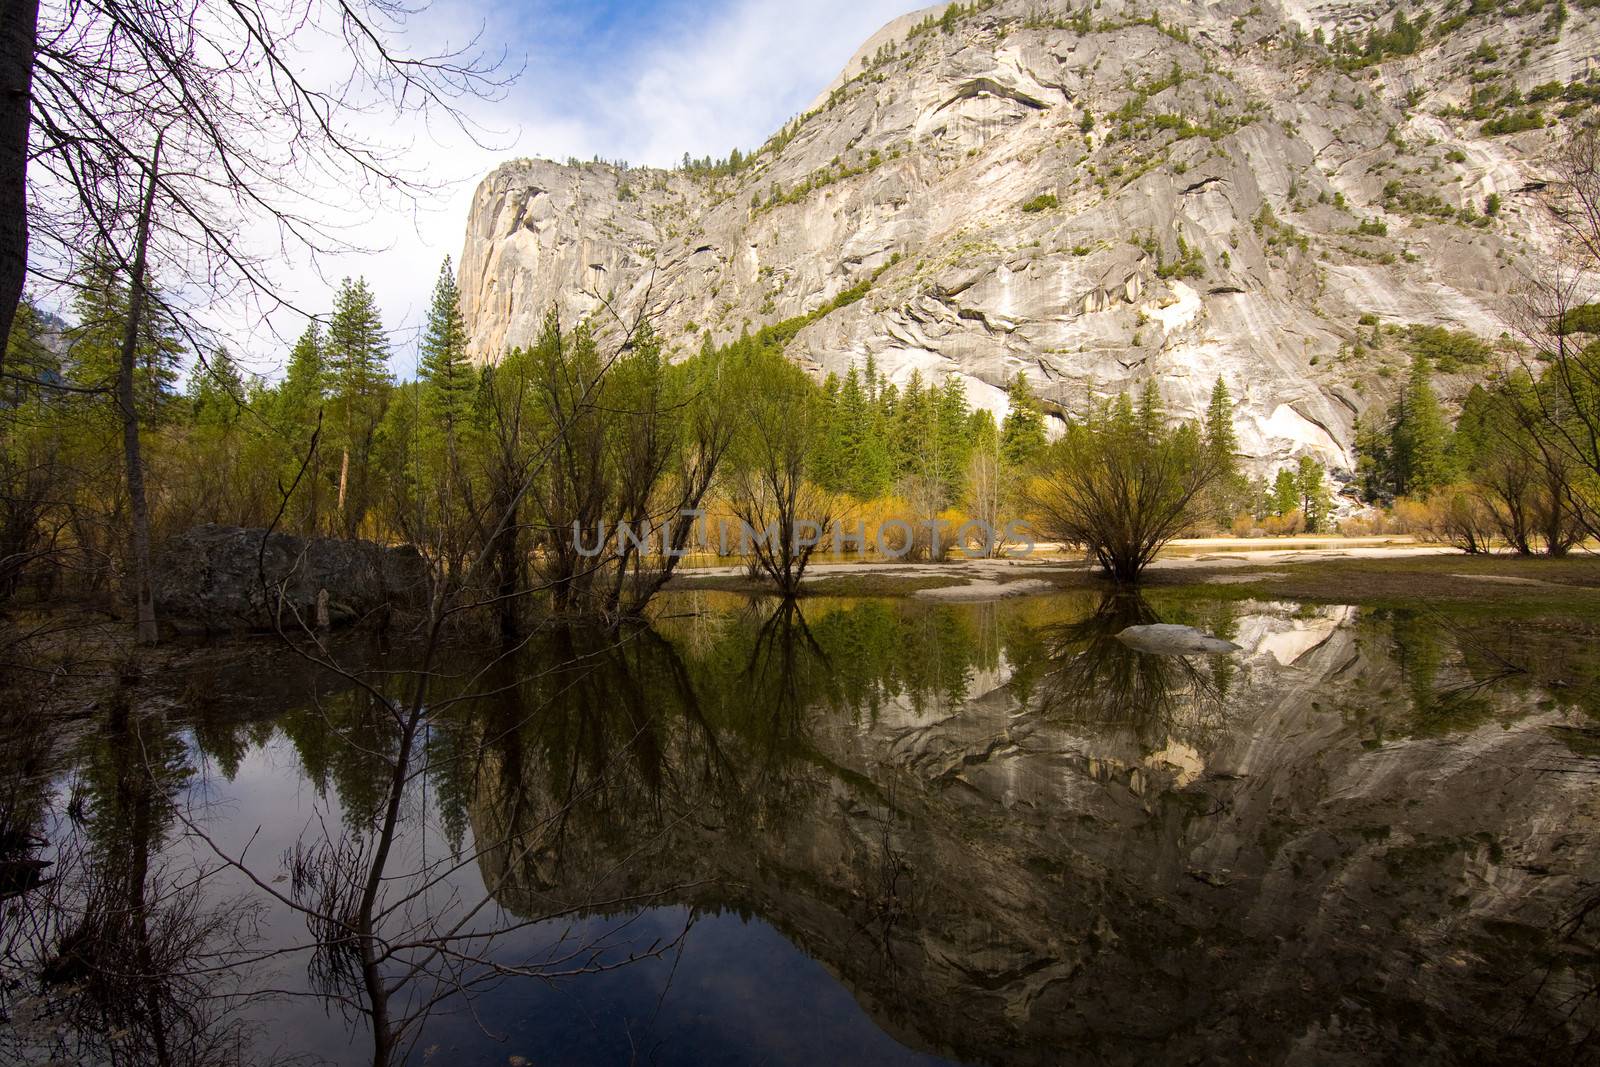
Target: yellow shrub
[
  {"x": 1420, "y": 518},
  {"x": 1284, "y": 525}
]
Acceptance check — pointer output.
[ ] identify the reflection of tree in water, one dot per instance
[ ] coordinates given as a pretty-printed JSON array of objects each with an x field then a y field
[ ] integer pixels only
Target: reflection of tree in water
[
  {"x": 586, "y": 763},
  {"x": 882, "y": 652},
  {"x": 1458, "y": 674},
  {"x": 117, "y": 956},
  {"x": 346, "y": 741},
  {"x": 598, "y": 758},
  {"x": 1097, "y": 681}
]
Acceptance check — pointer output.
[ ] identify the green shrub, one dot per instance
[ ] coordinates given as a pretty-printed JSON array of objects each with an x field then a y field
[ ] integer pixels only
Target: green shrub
[
  {"x": 1448, "y": 350},
  {"x": 1531, "y": 119}
]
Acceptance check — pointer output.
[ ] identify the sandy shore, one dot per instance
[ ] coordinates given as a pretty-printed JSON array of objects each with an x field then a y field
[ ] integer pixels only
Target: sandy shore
[{"x": 1043, "y": 570}]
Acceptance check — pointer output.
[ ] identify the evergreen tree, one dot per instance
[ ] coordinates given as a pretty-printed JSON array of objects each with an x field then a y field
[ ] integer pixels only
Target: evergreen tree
[
  {"x": 851, "y": 429},
  {"x": 447, "y": 378},
  {"x": 27, "y": 356},
  {"x": 1151, "y": 412},
  {"x": 356, "y": 355},
  {"x": 1311, "y": 485},
  {"x": 356, "y": 349},
  {"x": 1374, "y": 466},
  {"x": 296, "y": 404},
  {"x": 100, "y": 306},
  {"x": 828, "y": 464},
  {"x": 305, "y": 381},
  {"x": 876, "y": 463},
  {"x": 216, "y": 391},
  {"x": 1221, "y": 440},
  {"x": 953, "y": 429},
  {"x": 1285, "y": 496},
  {"x": 912, "y": 415},
  {"x": 1022, "y": 436},
  {"x": 1421, "y": 437},
  {"x": 1229, "y": 493}
]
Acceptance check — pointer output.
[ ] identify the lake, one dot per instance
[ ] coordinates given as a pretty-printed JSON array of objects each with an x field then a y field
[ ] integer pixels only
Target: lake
[{"x": 844, "y": 831}]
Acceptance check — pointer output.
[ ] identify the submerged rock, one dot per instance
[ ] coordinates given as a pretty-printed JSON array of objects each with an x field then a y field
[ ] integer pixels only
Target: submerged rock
[
  {"x": 210, "y": 579},
  {"x": 1170, "y": 639}
]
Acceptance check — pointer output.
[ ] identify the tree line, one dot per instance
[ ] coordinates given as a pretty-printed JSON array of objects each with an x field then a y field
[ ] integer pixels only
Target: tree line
[
  {"x": 527, "y": 459},
  {"x": 509, "y": 474},
  {"x": 1512, "y": 468}
]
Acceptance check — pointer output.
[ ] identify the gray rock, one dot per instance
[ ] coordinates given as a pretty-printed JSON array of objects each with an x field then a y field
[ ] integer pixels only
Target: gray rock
[
  {"x": 209, "y": 580},
  {"x": 917, "y": 160},
  {"x": 1170, "y": 639}
]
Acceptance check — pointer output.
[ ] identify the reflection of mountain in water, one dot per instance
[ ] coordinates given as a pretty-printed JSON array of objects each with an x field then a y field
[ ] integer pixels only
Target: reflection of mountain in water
[
  {"x": 1006, "y": 832},
  {"x": 1009, "y": 833}
]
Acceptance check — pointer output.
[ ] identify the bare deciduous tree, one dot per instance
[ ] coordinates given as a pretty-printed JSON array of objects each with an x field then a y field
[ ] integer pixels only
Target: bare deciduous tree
[
  {"x": 258, "y": 134},
  {"x": 1556, "y": 316}
]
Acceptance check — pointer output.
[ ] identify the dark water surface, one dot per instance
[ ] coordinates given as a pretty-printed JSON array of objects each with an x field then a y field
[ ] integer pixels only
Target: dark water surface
[{"x": 857, "y": 831}]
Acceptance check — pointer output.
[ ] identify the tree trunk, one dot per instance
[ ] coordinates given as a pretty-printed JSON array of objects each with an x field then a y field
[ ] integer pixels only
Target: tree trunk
[
  {"x": 314, "y": 525},
  {"x": 149, "y": 634},
  {"x": 344, "y": 485},
  {"x": 142, "y": 830},
  {"x": 508, "y": 574},
  {"x": 19, "y": 28}
]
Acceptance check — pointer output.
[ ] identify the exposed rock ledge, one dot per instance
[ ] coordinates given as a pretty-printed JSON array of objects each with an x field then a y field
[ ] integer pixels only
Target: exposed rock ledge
[{"x": 210, "y": 580}]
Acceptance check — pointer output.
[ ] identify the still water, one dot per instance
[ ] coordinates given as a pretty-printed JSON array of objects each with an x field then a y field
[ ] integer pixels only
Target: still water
[{"x": 853, "y": 831}]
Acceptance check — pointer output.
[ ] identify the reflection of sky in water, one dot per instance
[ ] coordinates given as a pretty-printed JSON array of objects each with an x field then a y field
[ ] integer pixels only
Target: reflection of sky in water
[
  {"x": 731, "y": 990},
  {"x": 736, "y": 992}
]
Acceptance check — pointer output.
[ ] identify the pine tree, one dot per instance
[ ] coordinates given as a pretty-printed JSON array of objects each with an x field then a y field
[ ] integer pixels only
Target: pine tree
[
  {"x": 95, "y": 344},
  {"x": 875, "y": 456},
  {"x": 852, "y": 430},
  {"x": 1374, "y": 467},
  {"x": 1285, "y": 495},
  {"x": 305, "y": 382},
  {"x": 448, "y": 382},
  {"x": 1221, "y": 440},
  {"x": 26, "y": 353},
  {"x": 1421, "y": 437},
  {"x": 216, "y": 391},
  {"x": 356, "y": 349},
  {"x": 828, "y": 463},
  {"x": 356, "y": 356},
  {"x": 1316, "y": 503},
  {"x": 912, "y": 416},
  {"x": 953, "y": 430},
  {"x": 1022, "y": 436},
  {"x": 297, "y": 404},
  {"x": 1222, "y": 445},
  {"x": 1152, "y": 414}
]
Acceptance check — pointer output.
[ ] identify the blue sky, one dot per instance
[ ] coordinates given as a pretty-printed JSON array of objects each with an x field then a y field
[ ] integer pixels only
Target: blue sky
[
  {"x": 650, "y": 81},
  {"x": 622, "y": 79}
]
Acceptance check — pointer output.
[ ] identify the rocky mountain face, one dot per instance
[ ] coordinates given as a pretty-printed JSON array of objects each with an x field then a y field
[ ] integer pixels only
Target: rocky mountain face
[{"x": 1095, "y": 196}]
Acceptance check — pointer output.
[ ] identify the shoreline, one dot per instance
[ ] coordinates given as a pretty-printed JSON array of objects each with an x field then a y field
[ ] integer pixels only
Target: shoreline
[{"x": 1379, "y": 571}]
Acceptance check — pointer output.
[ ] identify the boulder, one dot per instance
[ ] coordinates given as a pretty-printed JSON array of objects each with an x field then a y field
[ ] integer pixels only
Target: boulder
[
  {"x": 1170, "y": 639},
  {"x": 209, "y": 580}
]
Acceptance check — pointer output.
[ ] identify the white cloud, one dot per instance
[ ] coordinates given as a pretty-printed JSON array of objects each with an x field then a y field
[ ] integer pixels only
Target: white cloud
[{"x": 719, "y": 76}]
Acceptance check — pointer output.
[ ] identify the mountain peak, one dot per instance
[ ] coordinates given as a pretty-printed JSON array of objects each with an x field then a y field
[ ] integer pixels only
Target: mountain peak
[{"x": 1096, "y": 196}]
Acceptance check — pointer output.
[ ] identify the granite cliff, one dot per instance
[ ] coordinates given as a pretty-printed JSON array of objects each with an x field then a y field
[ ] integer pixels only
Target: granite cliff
[{"x": 1094, "y": 196}]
